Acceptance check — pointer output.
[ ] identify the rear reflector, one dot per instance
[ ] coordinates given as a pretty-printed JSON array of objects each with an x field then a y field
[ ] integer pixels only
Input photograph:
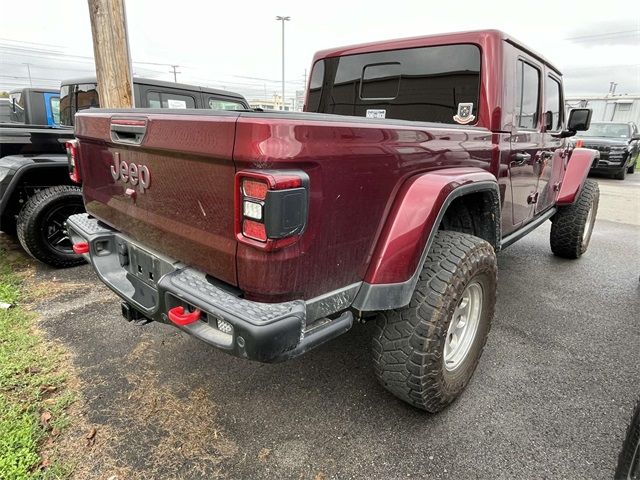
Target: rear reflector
[
  {"x": 254, "y": 230},
  {"x": 224, "y": 326},
  {"x": 80, "y": 248},
  {"x": 72, "y": 159}
]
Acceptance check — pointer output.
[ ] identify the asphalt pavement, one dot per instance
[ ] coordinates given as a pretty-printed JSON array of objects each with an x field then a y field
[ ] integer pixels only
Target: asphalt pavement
[{"x": 550, "y": 399}]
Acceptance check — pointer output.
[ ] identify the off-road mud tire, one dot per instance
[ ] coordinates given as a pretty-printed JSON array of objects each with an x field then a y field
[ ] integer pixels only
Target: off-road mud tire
[
  {"x": 31, "y": 226},
  {"x": 568, "y": 239},
  {"x": 408, "y": 344}
]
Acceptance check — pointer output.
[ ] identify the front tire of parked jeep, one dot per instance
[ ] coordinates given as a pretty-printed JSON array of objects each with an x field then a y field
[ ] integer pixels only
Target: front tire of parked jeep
[
  {"x": 632, "y": 167},
  {"x": 572, "y": 225},
  {"x": 41, "y": 225},
  {"x": 426, "y": 353},
  {"x": 621, "y": 174}
]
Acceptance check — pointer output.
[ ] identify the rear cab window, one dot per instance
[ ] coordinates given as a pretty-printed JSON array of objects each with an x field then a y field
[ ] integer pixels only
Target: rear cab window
[{"x": 426, "y": 84}]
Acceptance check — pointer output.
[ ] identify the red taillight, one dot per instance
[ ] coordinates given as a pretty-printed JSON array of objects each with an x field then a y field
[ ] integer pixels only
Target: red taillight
[
  {"x": 255, "y": 230},
  {"x": 271, "y": 207},
  {"x": 72, "y": 158},
  {"x": 254, "y": 189},
  {"x": 579, "y": 143}
]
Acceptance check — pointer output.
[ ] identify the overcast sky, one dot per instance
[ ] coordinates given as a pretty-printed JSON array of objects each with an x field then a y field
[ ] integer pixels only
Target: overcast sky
[{"x": 237, "y": 45}]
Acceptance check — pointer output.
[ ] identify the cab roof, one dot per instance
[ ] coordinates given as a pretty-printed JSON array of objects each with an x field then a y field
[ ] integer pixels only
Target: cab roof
[
  {"x": 473, "y": 36},
  {"x": 163, "y": 84}
]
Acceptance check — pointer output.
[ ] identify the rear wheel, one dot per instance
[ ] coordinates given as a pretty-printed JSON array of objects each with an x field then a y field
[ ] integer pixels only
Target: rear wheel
[
  {"x": 426, "y": 353},
  {"x": 629, "y": 458},
  {"x": 572, "y": 225},
  {"x": 41, "y": 225}
]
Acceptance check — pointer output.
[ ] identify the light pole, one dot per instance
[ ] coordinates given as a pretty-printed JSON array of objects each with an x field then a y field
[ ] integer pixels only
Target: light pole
[
  {"x": 29, "y": 71},
  {"x": 283, "y": 19}
]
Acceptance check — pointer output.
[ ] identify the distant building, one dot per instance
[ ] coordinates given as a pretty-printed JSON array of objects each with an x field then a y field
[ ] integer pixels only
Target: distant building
[
  {"x": 299, "y": 100},
  {"x": 608, "y": 108},
  {"x": 273, "y": 104}
]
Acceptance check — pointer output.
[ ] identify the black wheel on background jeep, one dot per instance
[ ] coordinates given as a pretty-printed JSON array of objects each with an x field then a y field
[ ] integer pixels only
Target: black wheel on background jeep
[
  {"x": 621, "y": 174},
  {"x": 426, "y": 353},
  {"x": 572, "y": 225},
  {"x": 41, "y": 225},
  {"x": 632, "y": 167}
]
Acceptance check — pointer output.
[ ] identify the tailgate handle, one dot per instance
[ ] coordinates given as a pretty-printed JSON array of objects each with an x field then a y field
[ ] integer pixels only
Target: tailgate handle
[{"x": 128, "y": 131}]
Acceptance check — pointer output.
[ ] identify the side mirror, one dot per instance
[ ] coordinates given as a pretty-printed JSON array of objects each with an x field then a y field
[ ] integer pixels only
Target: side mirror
[
  {"x": 579, "y": 121},
  {"x": 635, "y": 136}
]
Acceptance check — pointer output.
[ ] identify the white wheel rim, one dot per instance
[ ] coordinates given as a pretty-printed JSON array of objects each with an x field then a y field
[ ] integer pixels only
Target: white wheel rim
[{"x": 463, "y": 327}]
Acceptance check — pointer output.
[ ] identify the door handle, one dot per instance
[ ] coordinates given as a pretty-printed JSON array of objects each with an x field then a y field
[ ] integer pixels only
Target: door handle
[{"x": 520, "y": 159}]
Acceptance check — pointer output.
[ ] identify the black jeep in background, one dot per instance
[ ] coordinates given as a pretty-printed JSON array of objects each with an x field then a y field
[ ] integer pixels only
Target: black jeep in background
[
  {"x": 36, "y": 193},
  {"x": 618, "y": 145}
]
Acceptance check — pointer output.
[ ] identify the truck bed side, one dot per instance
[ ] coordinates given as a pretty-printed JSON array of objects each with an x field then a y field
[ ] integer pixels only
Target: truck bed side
[{"x": 355, "y": 169}]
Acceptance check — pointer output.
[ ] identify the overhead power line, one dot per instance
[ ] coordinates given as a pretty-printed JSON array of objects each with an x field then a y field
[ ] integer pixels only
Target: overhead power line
[{"x": 622, "y": 33}]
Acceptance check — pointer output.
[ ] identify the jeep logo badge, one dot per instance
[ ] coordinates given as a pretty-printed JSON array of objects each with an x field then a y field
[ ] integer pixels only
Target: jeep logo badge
[{"x": 130, "y": 172}]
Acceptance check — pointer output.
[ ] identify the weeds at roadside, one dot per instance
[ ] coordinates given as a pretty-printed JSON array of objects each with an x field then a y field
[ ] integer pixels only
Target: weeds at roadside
[{"x": 33, "y": 392}]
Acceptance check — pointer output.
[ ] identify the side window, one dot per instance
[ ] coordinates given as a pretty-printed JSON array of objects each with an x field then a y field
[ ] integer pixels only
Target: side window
[
  {"x": 54, "y": 102},
  {"x": 527, "y": 96},
  {"x": 552, "y": 91},
  {"x": 17, "y": 107},
  {"x": 169, "y": 100},
  {"x": 153, "y": 100},
  {"x": 218, "y": 104},
  {"x": 315, "y": 87}
]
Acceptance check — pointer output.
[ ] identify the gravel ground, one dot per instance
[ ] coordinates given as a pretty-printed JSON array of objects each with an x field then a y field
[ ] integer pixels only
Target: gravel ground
[{"x": 550, "y": 399}]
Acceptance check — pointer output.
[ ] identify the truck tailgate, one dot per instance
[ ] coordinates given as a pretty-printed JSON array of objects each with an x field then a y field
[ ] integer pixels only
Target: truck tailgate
[{"x": 165, "y": 180}]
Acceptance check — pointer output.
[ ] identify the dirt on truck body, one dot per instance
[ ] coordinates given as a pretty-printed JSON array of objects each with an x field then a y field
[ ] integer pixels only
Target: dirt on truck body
[{"x": 266, "y": 234}]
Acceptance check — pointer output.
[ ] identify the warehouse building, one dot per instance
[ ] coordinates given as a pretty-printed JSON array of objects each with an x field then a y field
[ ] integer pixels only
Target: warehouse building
[{"x": 608, "y": 108}]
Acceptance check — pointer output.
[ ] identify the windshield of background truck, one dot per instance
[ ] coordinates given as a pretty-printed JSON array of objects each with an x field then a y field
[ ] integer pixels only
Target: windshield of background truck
[
  {"x": 612, "y": 130},
  {"x": 428, "y": 84}
]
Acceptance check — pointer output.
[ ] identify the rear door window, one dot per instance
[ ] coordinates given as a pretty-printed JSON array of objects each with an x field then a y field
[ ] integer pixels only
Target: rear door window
[
  {"x": 553, "y": 101},
  {"x": 220, "y": 104},
  {"x": 169, "y": 100},
  {"x": 527, "y": 96},
  {"x": 423, "y": 84}
]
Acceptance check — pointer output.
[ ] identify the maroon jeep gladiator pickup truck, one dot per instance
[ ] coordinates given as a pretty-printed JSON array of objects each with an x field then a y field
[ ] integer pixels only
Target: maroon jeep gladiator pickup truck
[{"x": 266, "y": 234}]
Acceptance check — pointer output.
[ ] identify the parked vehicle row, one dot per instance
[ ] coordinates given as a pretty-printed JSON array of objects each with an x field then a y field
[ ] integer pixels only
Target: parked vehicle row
[
  {"x": 36, "y": 193},
  {"x": 266, "y": 234},
  {"x": 617, "y": 144}
]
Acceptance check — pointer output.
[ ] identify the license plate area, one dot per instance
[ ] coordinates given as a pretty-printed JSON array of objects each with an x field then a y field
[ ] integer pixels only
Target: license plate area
[{"x": 144, "y": 266}]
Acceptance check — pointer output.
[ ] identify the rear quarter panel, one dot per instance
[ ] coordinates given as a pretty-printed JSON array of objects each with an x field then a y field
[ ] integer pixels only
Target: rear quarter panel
[{"x": 356, "y": 170}]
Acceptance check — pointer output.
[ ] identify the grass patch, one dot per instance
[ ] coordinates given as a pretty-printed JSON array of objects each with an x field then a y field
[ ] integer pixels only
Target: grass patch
[{"x": 33, "y": 397}]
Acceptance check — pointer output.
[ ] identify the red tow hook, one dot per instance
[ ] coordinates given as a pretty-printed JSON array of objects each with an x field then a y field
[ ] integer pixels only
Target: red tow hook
[
  {"x": 177, "y": 316},
  {"x": 80, "y": 248}
]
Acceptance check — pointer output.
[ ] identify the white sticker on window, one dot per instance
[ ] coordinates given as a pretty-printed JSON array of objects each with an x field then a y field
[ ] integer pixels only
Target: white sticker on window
[
  {"x": 172, "y": 103},
  {"x": 371, "y": 113}
]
